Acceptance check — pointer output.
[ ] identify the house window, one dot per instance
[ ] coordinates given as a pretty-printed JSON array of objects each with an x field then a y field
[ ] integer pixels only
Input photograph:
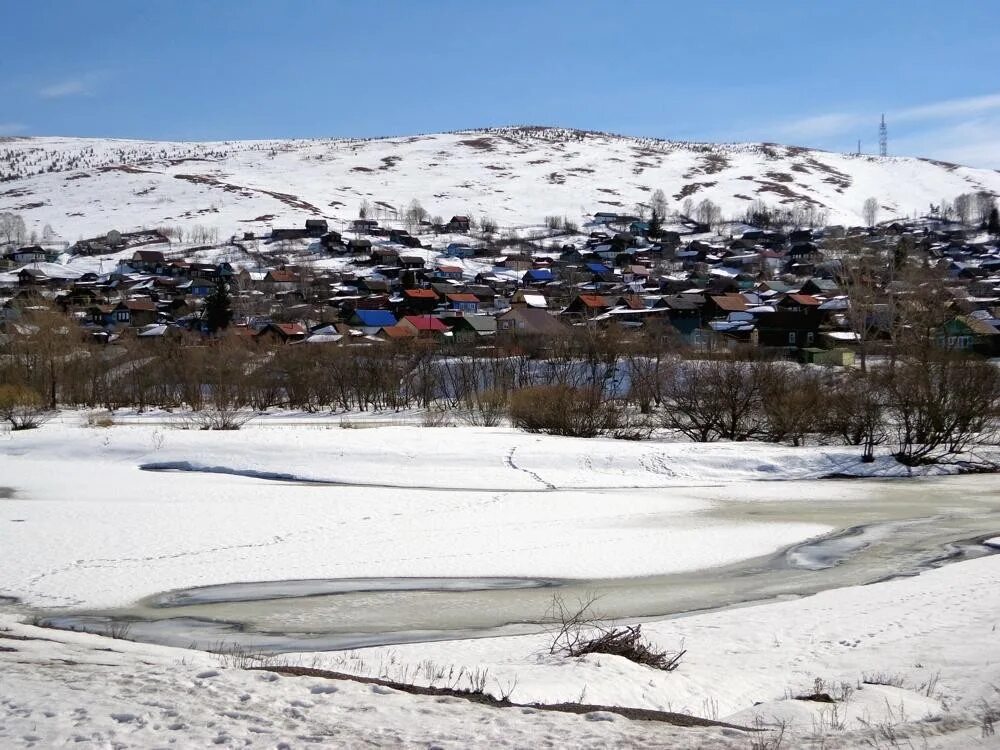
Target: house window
[
  {"x": 122, "y": 315},
  {"x": 809, "y": 339},
  {"x": 791, "y": 338}
]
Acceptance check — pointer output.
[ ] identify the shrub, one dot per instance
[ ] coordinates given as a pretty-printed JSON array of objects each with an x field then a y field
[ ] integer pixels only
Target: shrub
[
  {"x": 565, "y": 410},
  {"x": 220, "y": 418},
  {"x": 488, "y": 408},
  {"x": 21, "y": 406}
]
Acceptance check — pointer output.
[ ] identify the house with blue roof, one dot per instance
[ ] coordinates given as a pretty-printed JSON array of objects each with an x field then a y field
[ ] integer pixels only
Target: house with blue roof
[
  {"x": 537, "y": 276},
  {"x": 371, "y": 321}
]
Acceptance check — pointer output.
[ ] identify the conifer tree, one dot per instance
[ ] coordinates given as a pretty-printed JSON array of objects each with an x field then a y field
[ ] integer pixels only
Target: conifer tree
[{"x": 218, "y": 307}]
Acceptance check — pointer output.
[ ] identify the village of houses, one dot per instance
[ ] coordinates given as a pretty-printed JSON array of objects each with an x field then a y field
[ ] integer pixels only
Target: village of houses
[{"x": 370, "y": 282}]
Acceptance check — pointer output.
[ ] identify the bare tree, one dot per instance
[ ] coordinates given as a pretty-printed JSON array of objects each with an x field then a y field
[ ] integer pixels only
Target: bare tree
[
  {"x": 708, "y": 213},
  {"x": 985, "y": 203},
  {"x": 938, "y": 407},
  {"x": 963, "y": 207},
  {"x": 658, "y": 202},
  {"x": 869, "y": 310},
  {"x": 12, "y": 228},
  {"x": 870, "y": 211},
  {"x": 415, "y": 213}
]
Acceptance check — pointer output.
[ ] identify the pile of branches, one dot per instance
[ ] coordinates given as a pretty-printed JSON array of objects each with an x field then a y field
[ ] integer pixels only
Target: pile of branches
[
  {"x": 629, "y": 643},
  {"x": 578, "y": 632}
]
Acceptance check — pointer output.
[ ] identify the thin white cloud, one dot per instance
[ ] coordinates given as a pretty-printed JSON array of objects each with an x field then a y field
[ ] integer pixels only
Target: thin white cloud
[
  {"x": 975, "y": 142},
  {"x": 972, "y": 105},
  {"x": 964, "y": 131},
  {"x": 12, "y": 128},
  {"x": 838, "y": 123},
  {"x": 83, "y": 85},
  {"x": 819, "y": 126}
]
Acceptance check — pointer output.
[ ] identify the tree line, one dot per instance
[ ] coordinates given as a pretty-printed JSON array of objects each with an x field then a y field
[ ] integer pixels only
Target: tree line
[{"x": 930, "y": 405}]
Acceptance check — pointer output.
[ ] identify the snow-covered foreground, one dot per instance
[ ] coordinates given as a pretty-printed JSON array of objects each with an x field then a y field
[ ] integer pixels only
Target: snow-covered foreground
[
  {"x": 935, "y": 637},
  {"x": 86, "y": 523}
]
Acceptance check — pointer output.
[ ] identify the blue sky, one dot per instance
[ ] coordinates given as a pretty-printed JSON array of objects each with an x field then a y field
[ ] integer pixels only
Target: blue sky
[{"x": 807, "y": 72}]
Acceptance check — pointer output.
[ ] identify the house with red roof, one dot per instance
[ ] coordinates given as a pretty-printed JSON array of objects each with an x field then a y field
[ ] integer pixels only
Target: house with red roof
[{"x": 425, "y": 326}]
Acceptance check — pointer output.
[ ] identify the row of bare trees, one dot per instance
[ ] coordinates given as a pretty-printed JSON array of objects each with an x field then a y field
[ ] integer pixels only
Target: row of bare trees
[
  {"x": 926, "y": 406},
  {"x": 926, "y": 410}
]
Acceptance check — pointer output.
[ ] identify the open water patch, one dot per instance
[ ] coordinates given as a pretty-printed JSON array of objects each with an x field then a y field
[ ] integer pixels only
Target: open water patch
[
  {"x": 837, "y": 548},
  {"x": 296, "y": 589},
  {"x": 224, "y": 637}
]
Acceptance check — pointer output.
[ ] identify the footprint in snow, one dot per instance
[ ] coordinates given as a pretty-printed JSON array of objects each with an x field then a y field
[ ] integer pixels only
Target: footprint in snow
[{"x": 323, "y": 689}]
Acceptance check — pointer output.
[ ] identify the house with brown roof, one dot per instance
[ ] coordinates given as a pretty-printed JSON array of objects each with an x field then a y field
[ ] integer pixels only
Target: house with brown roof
[
  {"x": 419, "y": 301},
  {"x": 281, "y": 333},
  {"x": 135, "y": 312},
  {"x": 279, "y": 280},
  {"x": 529, "y": 321},
  {"x": 397, "y": 332},
  {"x": 721, "y": 305},
  {"x": 463, "y": 301},
  {"x": 458, "y": 224},
  {"x": 148, "y": 261}
]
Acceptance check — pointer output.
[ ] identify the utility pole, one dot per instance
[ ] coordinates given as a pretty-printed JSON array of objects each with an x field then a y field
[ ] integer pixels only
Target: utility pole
[{"x": 883, "y": 139}]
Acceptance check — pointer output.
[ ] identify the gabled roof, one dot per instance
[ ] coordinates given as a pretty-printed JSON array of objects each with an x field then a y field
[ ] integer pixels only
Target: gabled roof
[
  {"x": 539, "y": 274},
  {"x": 463, "y": 297},
  {"x": 677, "y": 302},
  {"x": 594, "y": 301},
  {"x": 140, "y": 305},
  {"x": 481, "y": 324},
  {"x": 426, "y": 323},
  {"x": 534, "y": 320},
  {"x": 420, "y": 294},
  {"x": 633, "y": 302},
  {"x": 378, "y": 318},
  {"x": 399, "y": 332},
  {"x": 804, "y": 299},
  {"x": 287, "y": 329},
  {"x": 730, "y": 302}
]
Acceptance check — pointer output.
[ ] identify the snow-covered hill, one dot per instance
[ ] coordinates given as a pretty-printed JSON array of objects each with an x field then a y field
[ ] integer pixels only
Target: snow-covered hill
[{"x": 84, "y": 187}]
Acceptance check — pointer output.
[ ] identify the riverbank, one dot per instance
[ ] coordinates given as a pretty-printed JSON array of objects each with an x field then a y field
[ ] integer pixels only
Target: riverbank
[{"x": 87, "y": 527}]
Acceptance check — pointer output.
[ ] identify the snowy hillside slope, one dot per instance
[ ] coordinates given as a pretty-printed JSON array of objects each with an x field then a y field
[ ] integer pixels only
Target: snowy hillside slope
[{"x": 83, "y": 187}]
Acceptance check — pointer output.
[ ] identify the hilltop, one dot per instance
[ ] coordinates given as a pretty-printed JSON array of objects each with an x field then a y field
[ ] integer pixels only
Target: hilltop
[{"x": 514, "y": 175}]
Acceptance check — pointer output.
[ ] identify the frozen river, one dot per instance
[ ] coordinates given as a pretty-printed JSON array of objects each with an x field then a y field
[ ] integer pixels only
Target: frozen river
[{"x": 883, "y": 528}]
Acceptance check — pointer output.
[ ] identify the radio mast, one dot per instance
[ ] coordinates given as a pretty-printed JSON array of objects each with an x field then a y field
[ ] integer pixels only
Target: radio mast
[{"x": 883, "y": 139}]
